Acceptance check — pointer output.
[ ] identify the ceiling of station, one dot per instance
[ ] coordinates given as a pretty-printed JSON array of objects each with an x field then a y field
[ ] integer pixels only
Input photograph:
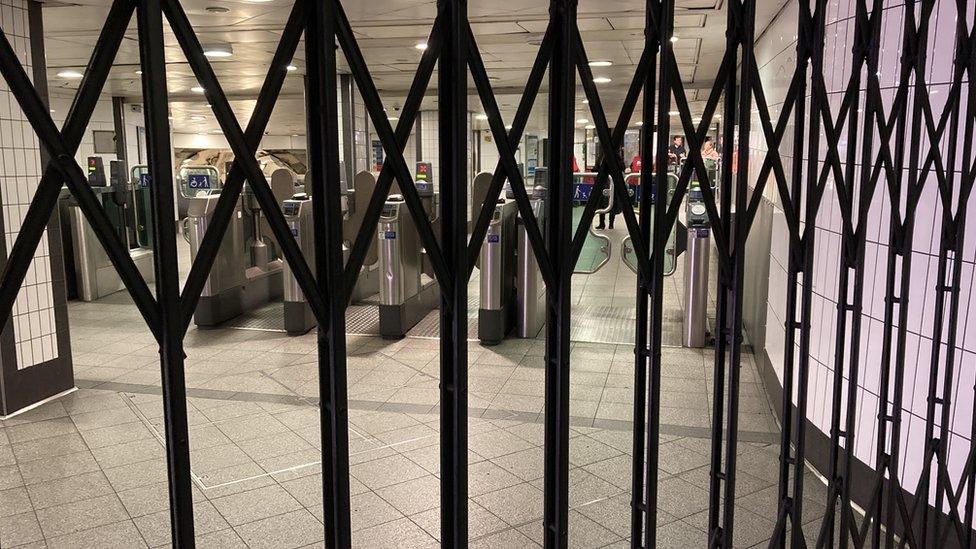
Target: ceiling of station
[{"x": 508, "y": 33}]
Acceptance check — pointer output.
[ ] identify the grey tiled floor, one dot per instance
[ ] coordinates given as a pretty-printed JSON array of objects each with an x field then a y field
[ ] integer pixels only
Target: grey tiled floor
[{"x": 89, "y": 469}]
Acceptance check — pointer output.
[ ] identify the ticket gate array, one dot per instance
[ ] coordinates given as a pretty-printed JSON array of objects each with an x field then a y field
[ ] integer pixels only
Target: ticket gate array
[
  {"x": 89, "y": 272},
  {"x": 247, "y": 272}
]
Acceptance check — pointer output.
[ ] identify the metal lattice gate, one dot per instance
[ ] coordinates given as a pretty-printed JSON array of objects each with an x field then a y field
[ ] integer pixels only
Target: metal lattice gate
[{"x": 897, "y": 145}]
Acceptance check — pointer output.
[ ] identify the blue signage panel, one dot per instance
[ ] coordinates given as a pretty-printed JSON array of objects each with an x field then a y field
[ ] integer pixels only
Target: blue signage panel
[
  {"x": 389, "y": 235},
  {"x": 198, "y": 181},
  {"x": 145, "y": 179},
  {"x": 581, "y": 191},
  {"x": 494, "y": 238}
]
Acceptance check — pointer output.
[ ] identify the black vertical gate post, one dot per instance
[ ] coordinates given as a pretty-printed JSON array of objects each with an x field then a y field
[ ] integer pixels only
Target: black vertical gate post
[
  {"x": 562, "y": 95},
  {"x": 746, "y": 23},
  {"x": 151, "y": 52},
  {"x": 452, "y": 126},
  {"x": 650, "y": 289},
  {"x": 322, "y": 112},
  {"x": 726, "y": 321}
]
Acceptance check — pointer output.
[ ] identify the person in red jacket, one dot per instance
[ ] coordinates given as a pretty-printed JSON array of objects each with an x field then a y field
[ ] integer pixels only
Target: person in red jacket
[{"x": 635, "y": 164}]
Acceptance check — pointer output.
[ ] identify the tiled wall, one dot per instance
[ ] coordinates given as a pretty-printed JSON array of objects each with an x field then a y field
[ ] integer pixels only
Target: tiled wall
[
  {"x": 33, "y": 313},
  {"x": 430, "y": 141},
  {"x": 776, "y": 56}
]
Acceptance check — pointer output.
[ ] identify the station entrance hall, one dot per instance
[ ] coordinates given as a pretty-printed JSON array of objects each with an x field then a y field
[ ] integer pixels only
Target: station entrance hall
[{"x": 645, "y": 274}]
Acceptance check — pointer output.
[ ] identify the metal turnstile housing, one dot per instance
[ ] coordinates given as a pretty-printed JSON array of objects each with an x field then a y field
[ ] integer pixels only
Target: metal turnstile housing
[
  {"x": 497, "y": 262},
  {"x": 406, "y": 293},
  {"x": 298, "y": 317}
]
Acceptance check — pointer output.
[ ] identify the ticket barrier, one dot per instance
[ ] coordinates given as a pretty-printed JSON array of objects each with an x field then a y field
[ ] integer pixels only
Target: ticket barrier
[
  {"x": 498, "y": 262},
  {"x": 694, "y": 328},
  {"x": 407, "y": 289},
  {"x": 512, "y": 292},
  {"x": 298, "y": 317},
  {"x": 675, "y": 244},
  {"x": 89, "y": 272},
  {"x": 247, "y": 272}
]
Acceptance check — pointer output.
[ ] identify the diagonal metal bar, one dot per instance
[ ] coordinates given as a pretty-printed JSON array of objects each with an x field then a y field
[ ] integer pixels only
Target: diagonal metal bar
[
  {"x": 63, "y": 161},
  {"x": 531, "y": 90},
  {"x": 603, "y": 174},
  {"x": 711, "y": 104},
  {"x": 506, "y": 160},
  {"x": 695, "y": 136},
  {"x": 76, "y": 122},
  {"x": 610, "y": 152},
  {"x": 408, "y": 115},
  {"x": 204, "y": 73},
  {"x": 231, "y": 191},
  {"x": 374, "y": 106},
  {"x": 774, "y": 139}
]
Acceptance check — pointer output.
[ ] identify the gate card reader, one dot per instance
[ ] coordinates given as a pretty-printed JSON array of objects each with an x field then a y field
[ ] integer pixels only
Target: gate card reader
[
  {"x": 96, "y": 172},
  {"x": 424, "y": 179}
]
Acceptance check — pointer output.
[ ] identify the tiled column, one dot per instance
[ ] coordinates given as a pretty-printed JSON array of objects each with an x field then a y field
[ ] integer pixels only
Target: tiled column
[{"x": 35, "y": 356}]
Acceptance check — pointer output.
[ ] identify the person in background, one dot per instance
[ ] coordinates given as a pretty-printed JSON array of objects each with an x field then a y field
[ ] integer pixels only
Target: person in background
[
  {"x": 604, "y": 200},
  {"x": 677, "y": 149},
  {"x": 709, "y": 152},
  {"x": 635, "y": 164}
]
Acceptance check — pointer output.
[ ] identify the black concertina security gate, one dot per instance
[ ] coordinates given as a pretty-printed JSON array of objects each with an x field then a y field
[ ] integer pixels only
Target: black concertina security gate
[{"x": 902, "y": 144}]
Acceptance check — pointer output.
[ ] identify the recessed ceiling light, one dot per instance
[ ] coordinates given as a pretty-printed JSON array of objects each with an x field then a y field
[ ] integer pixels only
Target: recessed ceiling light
[
  {"x": 640, "y": 122},
  {"x": 508, "y": 127},
  {"x": 586, "y": 101},
  {"x": 422, "y": 46},
  {"x": 601, "y": 63},
  {"x": 138, "y": 71},
  {"x": 52, "y": 111},
  {"x": 674, "y": 39},
  {"x": 394, "y": 118},
  {"x": 70, "y": 74},
  {"x": 196, "y": 89},
  {"x": 197, "y": 118},
  {"x": 591, "y": 127},
  {"x": 482, "y": 117},
  {"x": 290, "y": 68},
  {"x": 582, "y": 121},
  {"x": 673, "y": 113},
  {"x": 218, "y": 50},
  {"x": 602, "y": 80}
]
